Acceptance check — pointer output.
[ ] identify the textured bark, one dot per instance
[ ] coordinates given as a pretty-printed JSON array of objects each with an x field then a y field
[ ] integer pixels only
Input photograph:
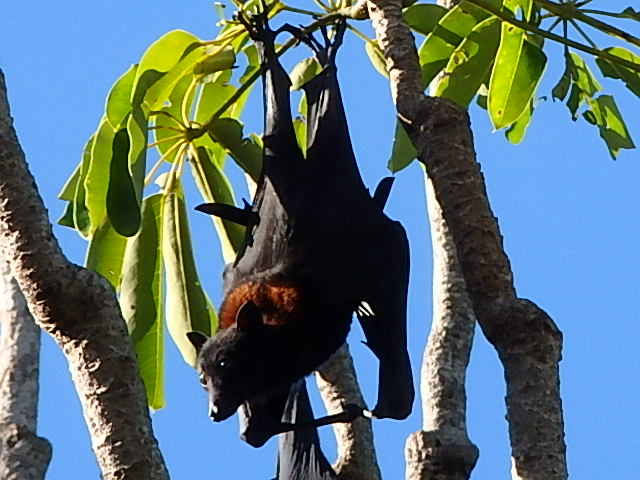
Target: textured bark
[
  {"x": 525, "y": 337},
  {"x": 442, "y": 450},
  {"x": 23, "y": 455},
  {"x": 338, "y": 385},
  {"x": 79, "y": 309}
]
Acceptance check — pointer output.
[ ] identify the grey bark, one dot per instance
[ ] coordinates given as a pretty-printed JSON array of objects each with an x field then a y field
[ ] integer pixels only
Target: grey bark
[
  {"x": 442, "y": 449},
  {"x": 338, "y": 385},
  {"x": 526, "y": 339},
  {"x": 23, "y": 455},
  {"x": 79, "y": 309}
]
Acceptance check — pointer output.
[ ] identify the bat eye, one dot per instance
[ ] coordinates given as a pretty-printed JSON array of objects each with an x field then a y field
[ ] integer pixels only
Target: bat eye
[
  {"x": 203, "y": 379},
  {"x": 221, "y": 364}
]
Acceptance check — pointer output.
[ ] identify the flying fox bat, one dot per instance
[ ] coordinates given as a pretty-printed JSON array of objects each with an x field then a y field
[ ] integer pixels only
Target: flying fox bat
[{"x": 318, "y": 248}]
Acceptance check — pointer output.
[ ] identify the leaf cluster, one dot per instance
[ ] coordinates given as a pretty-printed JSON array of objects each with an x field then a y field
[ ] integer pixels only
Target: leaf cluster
[{"x": 177, "y": 112}]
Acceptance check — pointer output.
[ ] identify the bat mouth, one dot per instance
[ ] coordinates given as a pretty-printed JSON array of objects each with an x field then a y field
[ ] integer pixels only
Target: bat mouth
[{"x": 219, "y": 413}]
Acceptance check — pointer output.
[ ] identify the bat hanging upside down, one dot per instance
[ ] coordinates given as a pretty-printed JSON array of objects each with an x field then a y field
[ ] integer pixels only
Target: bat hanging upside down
[{"x": 318, "y": 248}]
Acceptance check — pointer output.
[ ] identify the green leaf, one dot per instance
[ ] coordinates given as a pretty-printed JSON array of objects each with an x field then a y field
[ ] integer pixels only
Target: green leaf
[
  {"x": 300, "y": 128},
  {"x": 423, "y": 18},
  {"x": 629, "y": 77},
  {"x": 122, "y": 206},
  {"x": 69, "y": 189},
  {"x": 138, "y": 132},
  {"x": 141, "y": 297},
  {"x": 105, "y": 252},
  {"x": 451, "y": 30},
  {"x": 159, "y": 58},
  {"x": 247, "y": 152},
  {"x": 516, "y": 132},
  {"x": 523, "y": 6},
  {"x": 96, "y": 181},
  {"x": 403, "y": 152},
  {"x": 470, "y": 63},
  {"x": 215, "y": 187},
  {"x": 376, "y": 57},
  {"x": 76, "y": 214},
  {"x": 582, "y": 77},
  {"x": 304, "y": 71},
  {"x": 119, "y": 99},
  {"x": 188, "y": 307},
  {"x": 515, "y": 77},
  {"x": 562, "y": 87},
  {"x": 216, "y": 59},
  {"x": 603, "y": 112}
]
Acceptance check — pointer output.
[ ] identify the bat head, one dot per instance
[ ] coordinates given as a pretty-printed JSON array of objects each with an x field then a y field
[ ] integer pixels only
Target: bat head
[{"x": 239, "y": 363}]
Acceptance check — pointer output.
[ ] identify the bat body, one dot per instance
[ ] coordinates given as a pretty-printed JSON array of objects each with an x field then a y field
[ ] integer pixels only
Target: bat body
[{"x": 317, "y": 247}]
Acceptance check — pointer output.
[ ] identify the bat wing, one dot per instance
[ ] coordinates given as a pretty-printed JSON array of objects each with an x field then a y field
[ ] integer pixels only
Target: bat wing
[{"x": 299, "y": 453}]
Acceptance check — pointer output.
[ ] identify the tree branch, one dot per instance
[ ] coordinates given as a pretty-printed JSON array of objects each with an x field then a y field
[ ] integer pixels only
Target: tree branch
[
  {"x": 22, "y": 453},
  {"x": 338, "y": 386},
  {"x": 526, "y": 339},
  {"x": 80, "y": 310}
]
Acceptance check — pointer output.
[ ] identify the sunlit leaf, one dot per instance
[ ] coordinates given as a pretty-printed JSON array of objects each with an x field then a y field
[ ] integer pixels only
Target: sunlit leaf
[
  {"x": 97, "y": 178},
  {"x": 304, "y": 71},
  {"x": 300, "y": 127},
  {"x": 516, "y": 132},
  {"x": 215, "y": 187},
  {"x": 423, "y": 17},
  {"x": 470, "y": 63},
  {"x": 451, "y": 30},
  {"x": 247, "y": 152},
  {"x": 138, "y": 132},
  {"x": 582, "y": 76},
  {"x": 159, "y": 58},
  {"x": 515, "y": 76},
  {"x": 105, "y": 252},
  {"x": 603, "y": 112},
  {"x": 403, "y": 152},
  {"x": 122, "y": 206},
  {"x": 520, "y": 6},
  {"x": 69, "y": 189},
  {"x": 141, "y": 297},
  {"x": 562, "y": 87},
  {"x": 119, "y": 98},
  {"x": 216, "y": 59},
  {"x": 76, "y": 214},
  {"x": 188, "y": 307},
  {"x": 630, "y": 77}
]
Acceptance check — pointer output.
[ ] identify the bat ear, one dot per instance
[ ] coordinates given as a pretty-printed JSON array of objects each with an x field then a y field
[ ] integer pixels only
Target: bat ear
[
  {"x": 248, "y": 317},
  {"x": 197, "y": 339}
]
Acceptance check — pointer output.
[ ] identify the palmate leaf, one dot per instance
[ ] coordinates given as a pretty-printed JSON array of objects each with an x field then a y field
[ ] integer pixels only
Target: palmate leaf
[
  {"x": 452, "y": 29},
  {"x": 119, "y": 99},
  {"x": 215, "y": 187},
  {"x": 122, "y": 205},
  {"x": 603, "y": 113},
  {"x": 470, "y": 63},
  {"x": 141, "y": 298},
  {"x": 188, "y": 307},
  {"x": 423, "y": 17},
  {"x": 246, "y": 151},
  {"x": 515, "y": 76},
  {"x": 611, "y": 70},
  {"x": 105, "y": 252},
  {"x": 403, "y": 151}
]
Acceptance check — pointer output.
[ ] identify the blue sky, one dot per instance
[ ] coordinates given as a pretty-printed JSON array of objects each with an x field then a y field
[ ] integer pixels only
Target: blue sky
[{"x": 570, "y": 217}]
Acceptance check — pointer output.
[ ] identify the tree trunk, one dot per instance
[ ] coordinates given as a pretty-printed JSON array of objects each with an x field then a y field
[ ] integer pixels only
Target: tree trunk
[
  {"x": 526, "y": 339},
  {"x": 23, "y": 455},
  {"x": 79, "y": 309},
  {"x": 338, "y": 386}
]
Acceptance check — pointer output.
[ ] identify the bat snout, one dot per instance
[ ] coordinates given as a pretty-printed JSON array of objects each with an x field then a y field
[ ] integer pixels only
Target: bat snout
[{"x": 219, "y": 411}]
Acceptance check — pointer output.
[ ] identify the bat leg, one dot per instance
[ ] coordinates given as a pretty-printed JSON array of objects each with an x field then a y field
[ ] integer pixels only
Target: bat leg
[{"x": 381, "y": 194}]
